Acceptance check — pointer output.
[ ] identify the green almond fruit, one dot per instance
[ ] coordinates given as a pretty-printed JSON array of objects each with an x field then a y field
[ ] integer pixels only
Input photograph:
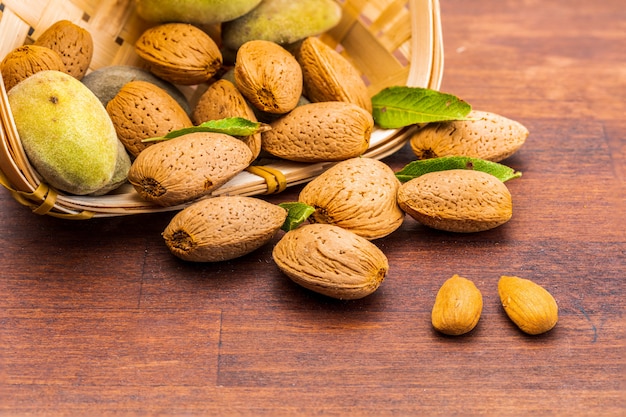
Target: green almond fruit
[
  {"x": 66, "y": 132},
  {"x": 202, "y": 12},
  {"x": 120, "y": 175},
  {"x": 282, "y": 22}
]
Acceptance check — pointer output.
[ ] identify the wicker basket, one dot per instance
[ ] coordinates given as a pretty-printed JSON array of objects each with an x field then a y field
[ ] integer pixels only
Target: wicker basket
[{"x": 392, "y": 42}]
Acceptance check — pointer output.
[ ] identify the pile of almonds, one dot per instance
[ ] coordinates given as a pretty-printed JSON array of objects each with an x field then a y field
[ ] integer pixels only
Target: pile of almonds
[
  {"x": 315, "y": 102},
  {"x": 64, "y": 47},
  {"x": 318, "y": 109}
]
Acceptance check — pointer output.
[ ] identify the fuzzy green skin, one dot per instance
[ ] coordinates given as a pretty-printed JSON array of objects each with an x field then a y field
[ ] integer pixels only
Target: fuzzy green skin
[
  {"x": 202, "y": 12},
  {"x": 282, "y": 21},
  {"x": 120, "y": 176},
  {"x": 66, "y": 133}
]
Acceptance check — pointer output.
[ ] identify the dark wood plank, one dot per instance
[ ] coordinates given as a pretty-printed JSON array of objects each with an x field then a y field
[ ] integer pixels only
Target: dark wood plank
[{"x": 110, "y": 348}]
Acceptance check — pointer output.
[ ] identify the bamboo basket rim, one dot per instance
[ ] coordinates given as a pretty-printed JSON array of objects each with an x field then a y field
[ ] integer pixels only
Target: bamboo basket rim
[{"x": 27, "y": 188}]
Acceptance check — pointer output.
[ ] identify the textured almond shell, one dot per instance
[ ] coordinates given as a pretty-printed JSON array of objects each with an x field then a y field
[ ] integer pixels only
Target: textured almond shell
[
  {"x": 222, "y": 228},
  {"x": 73, "y": 43},
  {"x": 187, "y": 167},
  {"x": 457, "y": 306},
  {"x": 179, "y": 53},
  {"x": 457, "y": 200},
  {"x": 489, "y": 136},
  {"x": 328, "y": 76},
  {"x": 358, "y": 194},
  {"x": 268, "y": 76},
  {"x": 221, "y": 100},
  {"x": 26, "y": 60},
  {"x": 141, "y": 110},
  {"x": 331, "y": 261},
  {"x": 530, "y": 306},
  {"x": 318, "y": 132}
]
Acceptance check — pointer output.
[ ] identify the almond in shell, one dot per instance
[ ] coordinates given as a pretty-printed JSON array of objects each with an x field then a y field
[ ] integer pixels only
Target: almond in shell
[
  {"x": 457, "y": 200},
  {"x": 222, "y": 228},
  {"x": 25, "y": 61},
  {"x": 358, "y": 194},
  {"x": 332, "y": 261},
  {"x": 319, "y": 132},
  {"x": 530, "y": 306},
  {"x": 187, "y": 167},
  {"x": 329, "y": 76},
  {"x": 221, "y": 100},
  {"x": 141, "y": 110},
  {"x": 179, "y": 53},
  {"x": 268, "y": 76},
  {"x": 73, "y": 43},
  {"x": 486, "y": 135},
  {"x": 107, "y": 81}
]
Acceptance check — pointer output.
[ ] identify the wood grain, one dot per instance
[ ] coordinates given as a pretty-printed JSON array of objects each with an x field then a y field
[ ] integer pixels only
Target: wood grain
[{"x": 97, "y": 318}]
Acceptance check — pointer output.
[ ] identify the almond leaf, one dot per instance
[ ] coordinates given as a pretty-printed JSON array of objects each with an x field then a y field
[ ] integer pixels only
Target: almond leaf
[
  {"x": 401, "y": 106},
  {"x": 297, "y": 213},
  {"x": 417, "y": 168},
  {"x": 234, "y": 126}
]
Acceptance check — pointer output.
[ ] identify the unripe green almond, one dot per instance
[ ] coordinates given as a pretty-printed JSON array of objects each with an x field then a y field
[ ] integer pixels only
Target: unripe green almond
[
  {"x": 282, "y": 21},
  {"x": 120, "y": 176},
  {"x": 202, "y": 12},
  {"x": 66, "y": 132}
]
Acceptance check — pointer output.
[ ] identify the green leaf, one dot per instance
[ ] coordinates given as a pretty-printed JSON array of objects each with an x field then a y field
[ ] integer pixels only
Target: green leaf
[
  {"x": 297, "y": 213},
  {"x": 400, "y": 106},
  {"x": 421, "y": 167},
  {"x": 234, "y": 126}
]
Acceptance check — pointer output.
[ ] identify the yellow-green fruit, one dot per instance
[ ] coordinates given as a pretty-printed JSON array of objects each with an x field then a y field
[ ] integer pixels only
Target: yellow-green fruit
[
  {"x": 194, "y": 11},
  {"x": 66, "y": 133},
  {"x": 282, "y": 21},
  {"x": 120, "y": 176}
]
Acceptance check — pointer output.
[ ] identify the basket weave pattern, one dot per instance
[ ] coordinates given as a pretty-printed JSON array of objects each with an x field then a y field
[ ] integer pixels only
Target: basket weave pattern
[{"x": 392, "y": 42}]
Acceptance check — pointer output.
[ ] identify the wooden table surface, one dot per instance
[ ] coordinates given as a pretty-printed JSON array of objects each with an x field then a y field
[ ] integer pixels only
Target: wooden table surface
[{"x": 98, "y": 318}]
